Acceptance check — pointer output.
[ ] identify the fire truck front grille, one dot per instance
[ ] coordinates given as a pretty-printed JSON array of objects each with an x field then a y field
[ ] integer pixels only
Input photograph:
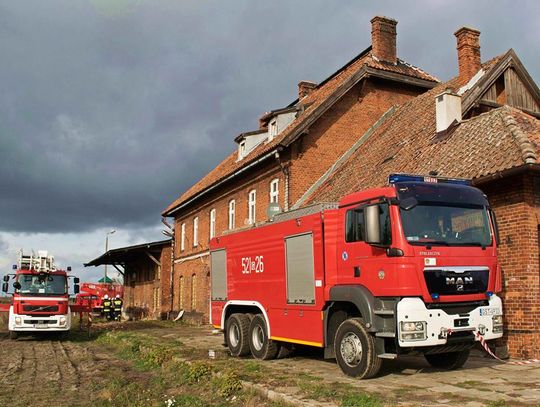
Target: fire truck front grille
[
  {"x": 40, "y": 308},
  {"x": 454, "y": 281}
]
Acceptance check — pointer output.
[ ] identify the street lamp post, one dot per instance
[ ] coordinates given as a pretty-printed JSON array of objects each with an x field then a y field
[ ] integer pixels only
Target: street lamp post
[{"x": 106, "y": 250}]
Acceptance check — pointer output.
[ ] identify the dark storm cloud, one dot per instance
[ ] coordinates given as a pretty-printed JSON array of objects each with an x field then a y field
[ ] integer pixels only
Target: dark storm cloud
[{"x": 110, "y": 110}]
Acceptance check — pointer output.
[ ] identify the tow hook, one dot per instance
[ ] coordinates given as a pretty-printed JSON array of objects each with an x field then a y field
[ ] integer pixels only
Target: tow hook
[
  {"x": 444, "y": 333},
  {"x": 482, "y": 329}
]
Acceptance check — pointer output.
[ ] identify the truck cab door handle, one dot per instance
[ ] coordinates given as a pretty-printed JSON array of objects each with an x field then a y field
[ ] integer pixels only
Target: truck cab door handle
[{"x": 357, "y": 271}]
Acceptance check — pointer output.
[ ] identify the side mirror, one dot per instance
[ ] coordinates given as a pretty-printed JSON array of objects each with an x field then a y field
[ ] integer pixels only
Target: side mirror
[
  {"x": 17, "y": 285},
  {"x": 68, "y": 268},
  {"x": 408, "y": 203},
  {"x": 6, "y": 278},
  {"x": 76, "y": 280},
  {"x": 5, "y": 287},
  {"x": 76, "y": 289},
  {"x": 14, "y": 267},
  {"x": 373, "y": 225}
]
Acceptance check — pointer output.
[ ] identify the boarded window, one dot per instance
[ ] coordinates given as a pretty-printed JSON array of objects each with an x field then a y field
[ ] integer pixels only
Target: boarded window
[
  {"x": 300, "y": 269},
  {"x": 218, "y": 264}
]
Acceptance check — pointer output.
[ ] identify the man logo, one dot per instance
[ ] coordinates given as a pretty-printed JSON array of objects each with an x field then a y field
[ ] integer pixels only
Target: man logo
[{"x": 459, "y": 282}]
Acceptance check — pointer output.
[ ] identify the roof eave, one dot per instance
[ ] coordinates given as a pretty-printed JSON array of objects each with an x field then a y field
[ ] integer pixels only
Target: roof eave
[{"x": 533, "y": 168}]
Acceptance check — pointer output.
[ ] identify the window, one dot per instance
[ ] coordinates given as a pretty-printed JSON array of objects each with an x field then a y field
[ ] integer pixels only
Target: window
[
  {"x": 183, "y": 238},
  {"x": 232, "y": 206},
  {"x": 354, "y": 225},
  {"x": 252, "y": 197},
  {"x": 193, "y": 292},
  {"x": 272, "y": 129},
  {"x": 181, "y": 293},
  {"x": 274, "y": 190},
  {"x": 242, "y": 149},
  {"x": 196, "y": 232},
  {"x": 212, "y": 223}
]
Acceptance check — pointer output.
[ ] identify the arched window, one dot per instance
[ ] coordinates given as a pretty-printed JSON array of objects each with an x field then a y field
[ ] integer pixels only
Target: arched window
[
  {"x": 252, "y": 198},
  {"x": 193, "y": 292},
  {"x": 232, "y": 208},
  {"x": 181, "y": 293},
  {"x": 274, "y": 190}
]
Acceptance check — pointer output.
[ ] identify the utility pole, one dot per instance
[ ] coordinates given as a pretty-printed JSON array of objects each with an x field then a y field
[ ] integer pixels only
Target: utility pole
[{"x": 106, "y": 250}]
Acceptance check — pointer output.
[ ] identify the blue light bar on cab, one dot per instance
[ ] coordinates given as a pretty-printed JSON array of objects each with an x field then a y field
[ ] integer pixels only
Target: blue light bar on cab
[{"x": 396, "y": 178}]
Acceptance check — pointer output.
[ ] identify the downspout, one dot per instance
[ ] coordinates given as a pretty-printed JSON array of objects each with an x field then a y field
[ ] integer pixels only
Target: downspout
[
  {"x": 172, "y": 273},
  {"x": 286, "y": 173}
]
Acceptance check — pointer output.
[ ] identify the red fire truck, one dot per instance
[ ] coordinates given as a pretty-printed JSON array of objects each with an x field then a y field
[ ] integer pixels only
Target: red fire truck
[
  {"x": 408, "y": 267},
  {"x": 93, "y": 293},
  {"x": 40, "y": 300}
]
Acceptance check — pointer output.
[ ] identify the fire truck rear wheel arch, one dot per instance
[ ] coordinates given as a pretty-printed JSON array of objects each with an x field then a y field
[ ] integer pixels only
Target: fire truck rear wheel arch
[
  {"x": 250, "y": 308},
  {"x": 355, "y": 350}
]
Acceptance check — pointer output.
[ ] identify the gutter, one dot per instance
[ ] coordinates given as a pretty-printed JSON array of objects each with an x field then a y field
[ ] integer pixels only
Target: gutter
[
  {"x": 219, "y": 183},
  {"x": 522, "y": 169}
]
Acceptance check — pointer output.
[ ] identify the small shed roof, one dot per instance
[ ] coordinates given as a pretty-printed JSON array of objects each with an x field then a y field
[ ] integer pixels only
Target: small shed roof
[{"x": 122, "y": 255}]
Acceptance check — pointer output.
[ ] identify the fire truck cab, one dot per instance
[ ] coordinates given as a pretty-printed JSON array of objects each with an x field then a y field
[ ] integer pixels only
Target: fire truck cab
[
  {"x": 40, "y": 298},
  {"x": 408, "y": 267}
]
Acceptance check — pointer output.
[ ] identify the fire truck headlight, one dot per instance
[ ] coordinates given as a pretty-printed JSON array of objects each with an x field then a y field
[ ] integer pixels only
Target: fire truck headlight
[
  {"x": 62, "y": 321},
  {"x": 497, "y": 323},
  {"x": 413, "y": 331},
  {"x": 18, "y": 320}
]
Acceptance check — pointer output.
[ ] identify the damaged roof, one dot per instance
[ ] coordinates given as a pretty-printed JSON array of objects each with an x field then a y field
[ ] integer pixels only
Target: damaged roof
[
  {"x": 492, "y": 142},
  {"x": 309, "y": 109}
]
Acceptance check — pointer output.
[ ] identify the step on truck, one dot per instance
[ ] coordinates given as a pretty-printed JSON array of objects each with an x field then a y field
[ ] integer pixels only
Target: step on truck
[
  {"x": 384, "y": 272},
  {"x": 40, "y": 300}
]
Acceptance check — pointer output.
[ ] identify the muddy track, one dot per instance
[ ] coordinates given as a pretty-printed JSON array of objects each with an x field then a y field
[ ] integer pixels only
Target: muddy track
[{"x": 44, "y": 371}]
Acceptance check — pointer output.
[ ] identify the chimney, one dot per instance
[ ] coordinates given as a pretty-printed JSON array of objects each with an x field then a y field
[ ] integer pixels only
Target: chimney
[
  {"x": 383, "y": 38},
  {"x": 468, "y": 48},
  {"x": 447, "y": 109},
  {"x": 305, "y": 88}
]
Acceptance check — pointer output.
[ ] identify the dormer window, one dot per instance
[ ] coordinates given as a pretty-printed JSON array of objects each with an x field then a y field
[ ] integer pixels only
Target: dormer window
[
  {"x": 272, "y": 129},
  {"x": 241, "y": 149}
]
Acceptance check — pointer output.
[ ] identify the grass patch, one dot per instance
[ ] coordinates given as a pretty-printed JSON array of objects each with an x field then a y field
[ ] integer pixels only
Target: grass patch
[{"x": 361, "y": 400}]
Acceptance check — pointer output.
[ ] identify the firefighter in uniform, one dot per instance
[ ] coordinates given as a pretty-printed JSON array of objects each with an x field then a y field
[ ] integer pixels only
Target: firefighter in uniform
[
  {"x": 107, "y": 307},
  {"x": 117, "y": 308}
]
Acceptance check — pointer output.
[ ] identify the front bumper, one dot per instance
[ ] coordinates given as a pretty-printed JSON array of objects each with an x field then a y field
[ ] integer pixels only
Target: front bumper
[
  {"x": 32, "y": 323},
  {"x": 441, "y": 328}
]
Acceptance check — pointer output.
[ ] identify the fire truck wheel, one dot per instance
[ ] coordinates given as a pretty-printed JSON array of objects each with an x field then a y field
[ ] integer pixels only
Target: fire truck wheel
[
  {"x": 13, "y": 335},
  {"x": 448, "y": 360},
  {"x": 236, "y": 334},
  {"x": 261, "y": 346},
  {"x": 355, "y": 350}
]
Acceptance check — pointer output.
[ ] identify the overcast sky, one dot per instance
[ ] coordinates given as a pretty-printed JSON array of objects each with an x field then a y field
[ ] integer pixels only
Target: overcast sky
[{"x": 110, "y": 109}]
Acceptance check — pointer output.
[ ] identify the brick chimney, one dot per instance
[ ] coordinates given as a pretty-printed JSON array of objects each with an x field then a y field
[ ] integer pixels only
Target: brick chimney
[
  {"x": 468, "y": 49},
  {"x": 383, "y": 38},
  {"x": 305, "y": 88}
]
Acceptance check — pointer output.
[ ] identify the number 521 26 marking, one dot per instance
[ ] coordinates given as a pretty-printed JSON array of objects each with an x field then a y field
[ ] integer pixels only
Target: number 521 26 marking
[{"x": 252, "y": 265}]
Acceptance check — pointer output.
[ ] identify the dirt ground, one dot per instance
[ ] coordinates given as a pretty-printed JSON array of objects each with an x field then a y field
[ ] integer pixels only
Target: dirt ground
[{"x": 78, "y": 371}]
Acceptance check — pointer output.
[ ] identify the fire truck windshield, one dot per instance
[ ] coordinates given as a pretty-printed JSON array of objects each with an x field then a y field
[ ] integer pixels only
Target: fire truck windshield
[
  {"x": 435, "y": 224},
  {"x": 43, "y": 284}
]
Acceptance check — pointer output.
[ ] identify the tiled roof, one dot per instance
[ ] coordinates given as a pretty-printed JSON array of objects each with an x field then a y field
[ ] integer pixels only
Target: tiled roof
[
  {"x": 310, "y": 103},
  {"x": 498, "y": 140}
]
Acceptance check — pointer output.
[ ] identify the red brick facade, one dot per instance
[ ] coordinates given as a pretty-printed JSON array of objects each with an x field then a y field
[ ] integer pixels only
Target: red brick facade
[{"x": 516, "y": 204}]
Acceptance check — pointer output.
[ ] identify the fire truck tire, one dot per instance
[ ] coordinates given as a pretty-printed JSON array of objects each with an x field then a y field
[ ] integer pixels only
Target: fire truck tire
[
  {"x": 13, "y": 335},
  {"x": 261, "y": 346},
  {"x": 355, "y": 350},
  {"x": 448, "y": 360},
  {"x": 236, "y": 334}
]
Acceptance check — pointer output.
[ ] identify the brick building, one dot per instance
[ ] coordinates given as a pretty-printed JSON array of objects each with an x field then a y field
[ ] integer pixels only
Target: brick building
[
  {"x": 481, "y": 125},
  {"x": 375, "y": 116},
  {"x": 292, "y": 148},
  {"x": 146, "y": 269}
]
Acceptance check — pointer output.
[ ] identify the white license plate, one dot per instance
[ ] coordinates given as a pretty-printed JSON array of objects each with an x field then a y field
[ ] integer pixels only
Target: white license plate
[{"x": 489, "y": 311}]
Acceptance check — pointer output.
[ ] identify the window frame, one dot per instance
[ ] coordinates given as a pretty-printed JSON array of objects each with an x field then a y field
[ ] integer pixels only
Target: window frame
[
  {"x": 232, "y": 214},
  {"x": 274, "y": 192},
  {"x": 195, "y": 231},
  {"x": 252, "y": 206},
  {"x": 212, "y": 231},
  {"x": 183, "y": 237}
]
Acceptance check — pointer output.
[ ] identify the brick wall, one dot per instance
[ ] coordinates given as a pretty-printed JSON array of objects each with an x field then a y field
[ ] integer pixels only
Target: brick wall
[
  {"x": 514, "y": 201},
  {"x": 340, "y": 127}
]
